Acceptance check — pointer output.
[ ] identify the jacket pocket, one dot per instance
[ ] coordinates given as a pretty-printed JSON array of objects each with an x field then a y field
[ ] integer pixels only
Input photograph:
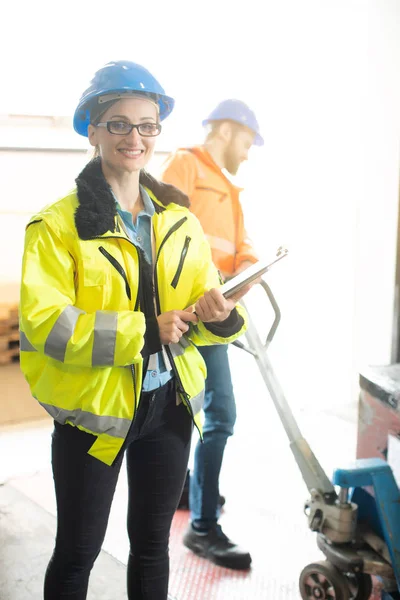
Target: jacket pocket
[
  {"x": 184, "y": 252},
  {"x": 93, "y": 276},
  {"x": 118, "y": 267}
]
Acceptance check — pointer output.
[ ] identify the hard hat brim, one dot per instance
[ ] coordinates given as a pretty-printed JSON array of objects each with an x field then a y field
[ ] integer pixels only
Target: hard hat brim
[{"x": 81, "y": 118}]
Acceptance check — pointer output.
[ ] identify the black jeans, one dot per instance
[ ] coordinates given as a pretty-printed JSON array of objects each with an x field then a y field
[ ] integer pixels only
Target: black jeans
[{"x": 157, "y": 452}]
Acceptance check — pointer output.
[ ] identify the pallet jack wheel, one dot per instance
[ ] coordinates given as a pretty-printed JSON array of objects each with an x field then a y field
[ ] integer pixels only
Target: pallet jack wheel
[
  {"x": 360, "y": 585},
  {"x": 323, "y": 581}
]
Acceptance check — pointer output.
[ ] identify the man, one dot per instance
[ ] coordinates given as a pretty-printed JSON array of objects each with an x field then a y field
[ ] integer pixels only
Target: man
[{"x": 232, "y": 129}]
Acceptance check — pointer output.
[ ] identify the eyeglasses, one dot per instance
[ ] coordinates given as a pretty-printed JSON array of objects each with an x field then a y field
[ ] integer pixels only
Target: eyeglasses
[{"x": 124, "y": 128}]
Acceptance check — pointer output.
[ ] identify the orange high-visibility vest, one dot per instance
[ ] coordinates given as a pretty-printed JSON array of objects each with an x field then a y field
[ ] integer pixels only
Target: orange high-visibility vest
[{"x": 215, "y": 202}]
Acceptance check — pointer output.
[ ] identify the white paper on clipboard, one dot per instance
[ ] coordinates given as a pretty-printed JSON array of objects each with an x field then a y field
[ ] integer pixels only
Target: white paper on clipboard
[{"x": 250, "y": 274}]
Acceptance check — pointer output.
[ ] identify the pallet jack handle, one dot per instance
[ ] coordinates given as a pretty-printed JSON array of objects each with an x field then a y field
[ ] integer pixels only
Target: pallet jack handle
[
  {"x": 277, "y": 312},
  {"x": 274, "y": 326},
  {"x": 313, "y": 474}
]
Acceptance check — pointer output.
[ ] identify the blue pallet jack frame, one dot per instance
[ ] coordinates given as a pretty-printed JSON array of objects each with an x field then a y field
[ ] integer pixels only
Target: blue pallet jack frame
[{"x": 357, "y": 522}]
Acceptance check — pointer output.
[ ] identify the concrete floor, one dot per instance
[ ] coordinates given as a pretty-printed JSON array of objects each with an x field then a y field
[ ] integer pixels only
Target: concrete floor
[{"x": 26, "y": 541}]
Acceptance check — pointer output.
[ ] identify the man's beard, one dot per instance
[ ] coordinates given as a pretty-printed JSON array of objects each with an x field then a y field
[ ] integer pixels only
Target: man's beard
[{"x": 232, "y": 164}]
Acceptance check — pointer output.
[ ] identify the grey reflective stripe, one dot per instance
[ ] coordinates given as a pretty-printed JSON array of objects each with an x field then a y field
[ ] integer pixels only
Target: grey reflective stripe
[
  {"x": 197, "y": 402},
  {"x": 167, "y": 361},
  {"x": 179, "y": 348},
  {"x": 221, "y": 244},
  {"x": 24, "y": 343},
  {"x": 59, "y": 336},
  {"x": 105, "y": 336},
  {"x": 112, "y": 426}
]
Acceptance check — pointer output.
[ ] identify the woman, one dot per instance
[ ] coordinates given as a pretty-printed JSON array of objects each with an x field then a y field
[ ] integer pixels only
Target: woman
[{"x": 108, "y": 340}]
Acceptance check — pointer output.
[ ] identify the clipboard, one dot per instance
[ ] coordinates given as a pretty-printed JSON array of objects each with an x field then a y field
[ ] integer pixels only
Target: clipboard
[{"x": 230, "y": 287}]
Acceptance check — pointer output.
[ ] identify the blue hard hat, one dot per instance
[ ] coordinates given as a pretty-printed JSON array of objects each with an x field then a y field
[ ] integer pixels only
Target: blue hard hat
[
  {"x": 238, "y": 111},
  {"x": 120, "y": 78}
]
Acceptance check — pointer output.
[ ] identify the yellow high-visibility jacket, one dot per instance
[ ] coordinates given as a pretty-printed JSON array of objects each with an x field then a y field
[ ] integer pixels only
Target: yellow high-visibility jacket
[{"x": 84, "y": 324}]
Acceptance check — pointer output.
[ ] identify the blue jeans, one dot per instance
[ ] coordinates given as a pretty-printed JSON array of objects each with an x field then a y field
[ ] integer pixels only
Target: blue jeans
[{"x": 219, "y": 421}]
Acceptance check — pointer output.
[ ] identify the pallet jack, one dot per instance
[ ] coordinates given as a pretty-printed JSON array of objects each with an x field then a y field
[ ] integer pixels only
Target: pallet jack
[{"x": 357, "y": 522}]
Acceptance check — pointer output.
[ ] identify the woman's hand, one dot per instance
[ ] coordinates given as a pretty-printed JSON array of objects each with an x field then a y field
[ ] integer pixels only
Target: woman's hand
[
  {"x": 173, "y": 324},
  {"x": 214, "y": 307}
]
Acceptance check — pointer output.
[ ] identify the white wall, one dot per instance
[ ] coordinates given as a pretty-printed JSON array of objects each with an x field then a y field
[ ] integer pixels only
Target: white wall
[
  {"x": 30, "y": 180},
  {"x": 331, "y": 188},
  {"x": 327, "y": 185},
  {"x": 377, "y": 210}
]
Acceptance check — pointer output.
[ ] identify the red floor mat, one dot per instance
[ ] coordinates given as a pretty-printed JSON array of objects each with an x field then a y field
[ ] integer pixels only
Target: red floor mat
[
  {"x": 274, "y": 573},
  {"x": 194, "y": 578}
]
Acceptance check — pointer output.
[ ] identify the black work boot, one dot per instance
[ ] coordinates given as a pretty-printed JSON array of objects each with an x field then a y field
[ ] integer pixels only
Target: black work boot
[{"x": 217, "y": 547}]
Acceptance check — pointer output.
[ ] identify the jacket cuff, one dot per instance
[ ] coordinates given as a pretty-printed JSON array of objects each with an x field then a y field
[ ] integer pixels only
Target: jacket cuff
[
  {"x": 232, "y": 325},
  {"x": 152, "y": 342}
]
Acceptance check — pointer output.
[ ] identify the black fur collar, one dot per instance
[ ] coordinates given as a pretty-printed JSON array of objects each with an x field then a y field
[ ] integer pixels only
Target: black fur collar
[{"x": 96, "y": 212}]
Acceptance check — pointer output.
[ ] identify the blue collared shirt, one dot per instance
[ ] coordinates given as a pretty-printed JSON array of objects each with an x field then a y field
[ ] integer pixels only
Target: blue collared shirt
[{"x": 140, "y": 235}]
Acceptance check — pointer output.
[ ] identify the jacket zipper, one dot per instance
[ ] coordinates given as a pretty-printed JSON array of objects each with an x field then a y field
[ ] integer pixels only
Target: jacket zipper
[
  {"x": 184, "y": 252},
  {"x": 119, "y": 268},
  {"x": 180, "y": 387},
  {"x": 174, "y": 228}
]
